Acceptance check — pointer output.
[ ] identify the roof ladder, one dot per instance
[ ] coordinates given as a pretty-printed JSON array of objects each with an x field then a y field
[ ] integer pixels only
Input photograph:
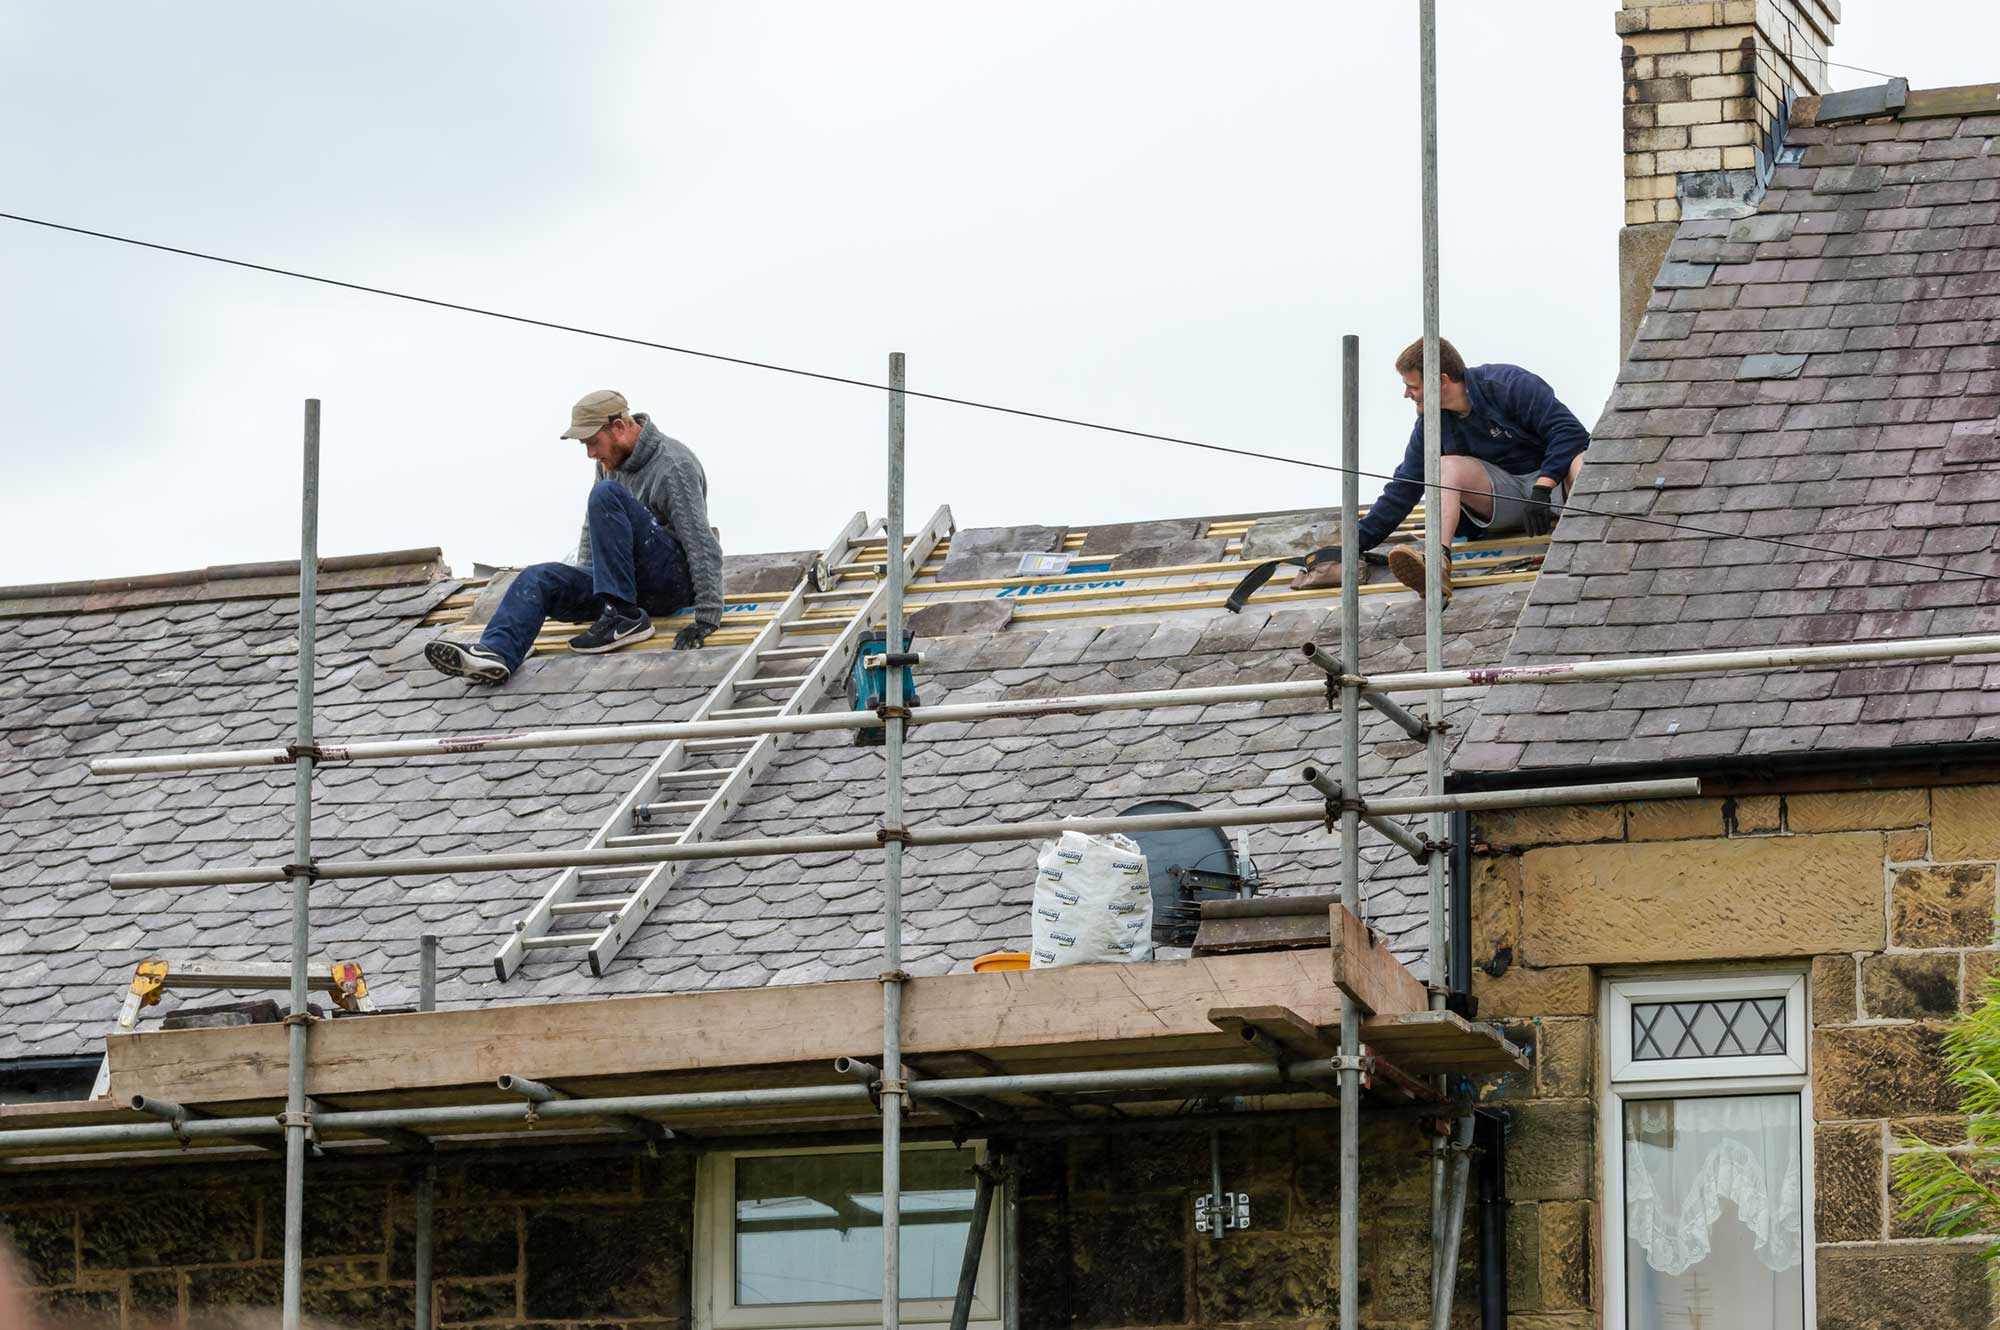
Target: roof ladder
[{"x": 678, "y": 804}]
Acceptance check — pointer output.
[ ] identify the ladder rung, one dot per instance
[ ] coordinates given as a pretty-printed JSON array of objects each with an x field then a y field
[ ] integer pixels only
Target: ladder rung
[
  {"x": 775, "y": 681},
  {"x": 594, "y": 905},
  {"x": 719, "y": 745},
  {"x": 610, "y": 874},
  {"x": 693, "y": 775},
  {"x": 657, "y": 838},
  {"x": 667, "y": 804},
  {"x": 789, "y": 653},
  {"x": 550, "y": 940},
  {"x": 744, "y": 712}
]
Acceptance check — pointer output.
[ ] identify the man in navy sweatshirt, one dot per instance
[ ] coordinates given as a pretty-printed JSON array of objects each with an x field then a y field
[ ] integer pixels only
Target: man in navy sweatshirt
[{"x": 1510, "y": 456}]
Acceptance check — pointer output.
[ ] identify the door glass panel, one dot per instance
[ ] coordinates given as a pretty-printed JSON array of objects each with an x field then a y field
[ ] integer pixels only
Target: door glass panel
[
  {"x": 1714, "y": 1223},
  {"x": 809, "y": 1227}
]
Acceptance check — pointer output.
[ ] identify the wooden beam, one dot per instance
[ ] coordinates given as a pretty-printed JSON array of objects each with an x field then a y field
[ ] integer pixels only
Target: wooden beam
[
  {"x": 1366, "y": 970},
  {"x": 1106, "y": 1009}
]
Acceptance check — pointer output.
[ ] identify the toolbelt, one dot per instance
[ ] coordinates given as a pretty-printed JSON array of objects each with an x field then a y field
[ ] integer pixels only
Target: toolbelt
[{"x": 1317, "y": 570}]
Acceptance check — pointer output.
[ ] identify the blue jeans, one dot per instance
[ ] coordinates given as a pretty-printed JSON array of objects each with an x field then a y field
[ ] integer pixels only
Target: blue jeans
[{"x": 632, "y": 557}]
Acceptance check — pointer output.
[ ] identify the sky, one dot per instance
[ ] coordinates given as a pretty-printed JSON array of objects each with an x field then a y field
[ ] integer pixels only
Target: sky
[{"x": 1157, "y": 215}]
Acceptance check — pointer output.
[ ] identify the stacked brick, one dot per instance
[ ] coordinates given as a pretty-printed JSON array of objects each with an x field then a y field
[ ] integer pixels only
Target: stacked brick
[{"x": 1703, "y": 83}]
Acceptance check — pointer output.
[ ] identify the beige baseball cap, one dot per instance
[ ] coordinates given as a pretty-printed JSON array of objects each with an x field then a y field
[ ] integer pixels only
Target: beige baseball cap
[{"x": 593, "y": 412}]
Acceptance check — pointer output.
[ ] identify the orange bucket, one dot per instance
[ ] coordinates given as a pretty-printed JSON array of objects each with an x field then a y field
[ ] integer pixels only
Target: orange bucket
[{"x": 995, "y": 961}]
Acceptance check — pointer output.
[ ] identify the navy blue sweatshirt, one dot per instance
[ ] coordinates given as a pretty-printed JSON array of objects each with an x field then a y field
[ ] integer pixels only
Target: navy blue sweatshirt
[{"x": 1515, "y": 422}]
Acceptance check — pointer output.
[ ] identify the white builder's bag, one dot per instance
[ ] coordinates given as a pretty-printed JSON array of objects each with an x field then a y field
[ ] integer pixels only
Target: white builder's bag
[{"x": 1093, "y": 902}]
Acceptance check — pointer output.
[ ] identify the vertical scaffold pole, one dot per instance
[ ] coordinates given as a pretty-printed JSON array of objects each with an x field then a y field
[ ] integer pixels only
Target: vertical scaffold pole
[
  {"x": 892, "y": 869},
  {"x": 302, "y": 776},
  {"x": 426, "y": 1197},
  {"x": 1350, "y": 821}
]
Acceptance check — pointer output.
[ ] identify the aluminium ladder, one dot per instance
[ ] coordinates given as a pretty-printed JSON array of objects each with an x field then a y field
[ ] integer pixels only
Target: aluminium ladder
[{"x": 675, "y": 803}]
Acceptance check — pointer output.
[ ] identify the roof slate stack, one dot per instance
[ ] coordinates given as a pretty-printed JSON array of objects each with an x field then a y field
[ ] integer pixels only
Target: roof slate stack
[
  {"x": 186, "y": 670},
  {"x": 1826, "y": 372}
]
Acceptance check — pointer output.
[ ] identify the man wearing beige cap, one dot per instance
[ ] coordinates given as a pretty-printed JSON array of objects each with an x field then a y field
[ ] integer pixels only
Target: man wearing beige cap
[{"x": 647, "y": 549}]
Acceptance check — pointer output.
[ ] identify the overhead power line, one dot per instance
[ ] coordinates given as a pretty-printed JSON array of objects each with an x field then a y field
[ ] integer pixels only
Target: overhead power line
[{"x": 970, "y": 403}]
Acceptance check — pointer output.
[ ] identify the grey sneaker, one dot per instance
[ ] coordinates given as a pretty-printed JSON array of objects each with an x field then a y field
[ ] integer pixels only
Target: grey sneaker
[
  {"x": 467, "y": 662},
  {"x": 618, "y": 626}
]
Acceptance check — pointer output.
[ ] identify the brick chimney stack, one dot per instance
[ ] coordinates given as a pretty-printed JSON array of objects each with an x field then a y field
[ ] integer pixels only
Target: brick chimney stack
[{"x": 1707, "y": 91}]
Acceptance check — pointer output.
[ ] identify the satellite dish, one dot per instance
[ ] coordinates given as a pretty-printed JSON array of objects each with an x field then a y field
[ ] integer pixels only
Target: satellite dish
[{"x": 1186, "y": 867}]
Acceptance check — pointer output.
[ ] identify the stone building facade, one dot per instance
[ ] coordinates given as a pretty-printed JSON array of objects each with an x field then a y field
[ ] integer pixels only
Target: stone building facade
[{"x": 1881, "y": 898}]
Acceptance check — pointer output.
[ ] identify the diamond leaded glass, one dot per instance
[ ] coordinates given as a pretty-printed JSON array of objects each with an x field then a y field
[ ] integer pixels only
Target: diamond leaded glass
[{"x": 1730, "y": 1028}]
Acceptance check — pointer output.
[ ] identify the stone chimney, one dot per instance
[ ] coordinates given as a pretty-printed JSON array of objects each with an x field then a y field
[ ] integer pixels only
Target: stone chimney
[{"x": 1708, "y": 89}]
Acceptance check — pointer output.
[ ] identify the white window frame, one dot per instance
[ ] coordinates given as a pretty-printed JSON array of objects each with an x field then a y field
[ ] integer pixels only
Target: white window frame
[
  {"x": 714, "y": 1299},
  {"x": 1689, "y": 1078}
]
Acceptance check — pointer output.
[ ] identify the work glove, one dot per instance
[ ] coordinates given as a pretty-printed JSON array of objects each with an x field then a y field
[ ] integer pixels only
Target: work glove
[
  {"x": 1538, "y": 516},
  {"x": 692, "y": 636}
]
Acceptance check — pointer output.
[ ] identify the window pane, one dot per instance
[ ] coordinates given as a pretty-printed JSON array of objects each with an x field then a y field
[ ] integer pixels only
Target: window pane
[
  {"x": 1714, "y": 1229},
  {"x": 1732, "y": 1028},
  {"x": 809, "y": 1227}
]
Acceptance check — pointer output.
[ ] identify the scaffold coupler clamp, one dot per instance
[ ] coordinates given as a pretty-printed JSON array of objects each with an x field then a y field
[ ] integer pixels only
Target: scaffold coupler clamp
[
  {"x": 1360, "y": 1062},
  {"x": 1432, "y": 847},
  {"x": 289, "y": 1120},
  {"x": 309, "y": 872},
  {"x": 295, "y": 751},
  {"x": 885, "y": 833}
]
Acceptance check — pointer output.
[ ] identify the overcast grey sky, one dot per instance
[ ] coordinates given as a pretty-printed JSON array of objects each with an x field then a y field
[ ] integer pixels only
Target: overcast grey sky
[{"x": 1160, "y": 215}]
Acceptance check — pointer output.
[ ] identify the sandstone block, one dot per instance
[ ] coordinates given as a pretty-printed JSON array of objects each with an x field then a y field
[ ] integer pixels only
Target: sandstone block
[
  {"x": 1834, "y": 984},
  {"x": 1931, "y": 1131},
  {"x": 1875, "y": 1071},
  {"x": 1567, "y": 825},
  {"x": 1861, "y": 810},
  {"x": 45, "y": 1243},
  {"x": 1847, "y": 1174},
  {"x": 1565, "y": 1235},
  {"x": 1923, "y": 1286},
  {"x": 1524, "y": 1257},
  {"x": 1566, "y": 990},
  {"x": 1943, "y": 907},
  {"x": 1135, "y": 1255},
  {"x": 1908, "y": 846},
  {"x": 1702, "y": 900},
  {"x": 1758, "y": 815},
  {"x": 1965, "y": 822},
  {"x": 181, "y": 1228},
  {"x": 1549, "y": 1155},
  {"x": 1980, "y": 967},
  {"x": 1673, "y": 819},
  {"x": 1659, "y": 17},
  {"x": 1496, "y": 910},
  {"x": 1566, "y": 1057},
  {"x": 607, "y": 1260},
  {"x": 1919, "y": 987},
  {"x": 1262, "y": 1279}
]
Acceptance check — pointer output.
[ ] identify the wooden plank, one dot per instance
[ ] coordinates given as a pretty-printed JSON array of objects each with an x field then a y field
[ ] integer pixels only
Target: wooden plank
[
  {"x": 1015, "y": 1011},
  {"x": 1366, "y": 970},
  {"x": 1426, "y": 1043},
  {"x": 1281, "y": 1025},
  {"x": 1970, "y": 99},
  {"x": 1216, "y": 937}
]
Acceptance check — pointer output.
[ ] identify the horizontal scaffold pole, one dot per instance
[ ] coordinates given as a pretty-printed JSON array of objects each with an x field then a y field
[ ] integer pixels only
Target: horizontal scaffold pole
[
  {"x": 847, "y": 842},
  {"x": 1220, "y": 1076},
  {"x": 973, "y": 713}
]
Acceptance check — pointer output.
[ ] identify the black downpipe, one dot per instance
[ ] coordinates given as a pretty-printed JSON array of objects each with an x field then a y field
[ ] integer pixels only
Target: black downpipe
[
  {"x": 1489, "y": 1137},
  {"x": 1458, "y": 888},
  {"x": 1489, "y": 1129}
]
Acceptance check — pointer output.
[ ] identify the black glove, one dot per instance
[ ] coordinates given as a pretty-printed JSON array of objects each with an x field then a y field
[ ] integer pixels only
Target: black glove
[
  {"x": 1538, "y": 514},
  {"x": 692, "y": 636}
]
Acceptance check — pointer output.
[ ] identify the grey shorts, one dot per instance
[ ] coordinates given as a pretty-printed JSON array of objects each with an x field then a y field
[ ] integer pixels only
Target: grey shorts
[{"x": 1510, "y": 497}]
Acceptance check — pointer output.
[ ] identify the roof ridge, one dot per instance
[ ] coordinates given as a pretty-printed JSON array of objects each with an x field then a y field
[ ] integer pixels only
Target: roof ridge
[{"x": 236, "y": 581}]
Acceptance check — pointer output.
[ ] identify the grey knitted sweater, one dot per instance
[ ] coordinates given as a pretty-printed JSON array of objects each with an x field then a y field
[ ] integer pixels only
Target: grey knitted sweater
[{"x": 666, "y": 476}]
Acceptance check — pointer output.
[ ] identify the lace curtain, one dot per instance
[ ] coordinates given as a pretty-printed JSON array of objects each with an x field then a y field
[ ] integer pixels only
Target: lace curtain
[{"x": 1685, "y": 1157}]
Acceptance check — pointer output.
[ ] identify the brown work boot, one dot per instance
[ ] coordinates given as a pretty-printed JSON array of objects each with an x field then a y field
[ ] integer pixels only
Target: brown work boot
[{"x": 1407, "y": 563}]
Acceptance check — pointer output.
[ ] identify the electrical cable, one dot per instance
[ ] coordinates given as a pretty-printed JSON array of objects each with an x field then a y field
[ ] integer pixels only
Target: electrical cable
[{"x": 970, "y": 403}]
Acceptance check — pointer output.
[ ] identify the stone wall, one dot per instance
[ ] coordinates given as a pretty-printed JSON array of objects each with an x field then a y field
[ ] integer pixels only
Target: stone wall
[
  {"x": 1107, "y": 1228},
  {"x": 1885, "y": 896}
]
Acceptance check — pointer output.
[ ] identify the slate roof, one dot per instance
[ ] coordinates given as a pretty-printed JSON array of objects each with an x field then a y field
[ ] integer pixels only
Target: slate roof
[
  {"x": 1825, "y": 371},
  {"x": 208, "y": 661}
]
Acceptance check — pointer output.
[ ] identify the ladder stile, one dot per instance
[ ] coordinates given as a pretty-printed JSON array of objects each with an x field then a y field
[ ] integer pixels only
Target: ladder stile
[{"x": 698, "y": 800}]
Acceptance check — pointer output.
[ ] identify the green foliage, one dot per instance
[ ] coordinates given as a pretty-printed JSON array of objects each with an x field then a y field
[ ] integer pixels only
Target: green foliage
[{"x": 1951, "y": 1192}]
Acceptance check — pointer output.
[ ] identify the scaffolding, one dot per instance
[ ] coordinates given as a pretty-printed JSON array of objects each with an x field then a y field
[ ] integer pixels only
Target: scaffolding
[{"x": 1276, "y": 1060}]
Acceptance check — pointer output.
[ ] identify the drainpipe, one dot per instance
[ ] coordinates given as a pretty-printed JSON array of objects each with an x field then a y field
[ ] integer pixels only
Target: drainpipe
[
  {"x": 1489, "y": 1135},
  {"x": 1458, "y": 961}
]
